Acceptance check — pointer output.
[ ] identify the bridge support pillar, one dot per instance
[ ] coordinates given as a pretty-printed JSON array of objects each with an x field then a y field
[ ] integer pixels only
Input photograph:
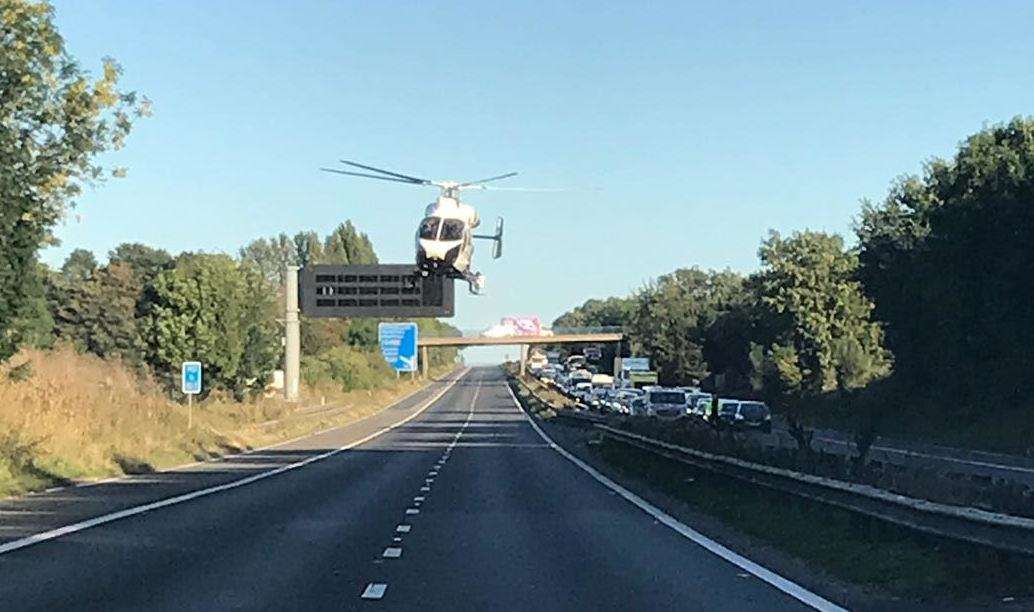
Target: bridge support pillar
[
  {"x": 524, "y": 359},
  {"x": 424, "y": 365}
]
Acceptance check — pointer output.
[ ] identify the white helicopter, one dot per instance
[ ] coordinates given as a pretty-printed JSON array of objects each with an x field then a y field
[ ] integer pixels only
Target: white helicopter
[{"x": 445, "y": 238}]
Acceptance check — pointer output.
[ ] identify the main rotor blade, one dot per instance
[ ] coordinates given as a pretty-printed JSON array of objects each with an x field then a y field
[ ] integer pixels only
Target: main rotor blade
[
  {"x": 373, "y": 176},
  {"x": 537, "y": 189},
  {"x": 492, "y": 178},
  {"x": 412, "y": 179}
]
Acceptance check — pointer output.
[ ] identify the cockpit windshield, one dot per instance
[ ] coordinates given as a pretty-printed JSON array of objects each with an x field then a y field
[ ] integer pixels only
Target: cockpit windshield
[
  {"x": 429, "y": 228},
  {"x": 452, "y": 229}
]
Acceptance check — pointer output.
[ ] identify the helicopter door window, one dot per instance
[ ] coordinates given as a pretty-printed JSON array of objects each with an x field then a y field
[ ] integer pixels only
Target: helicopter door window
[
  {"x": 452, "y": 229},
  {"x": 429, "y": 228}
]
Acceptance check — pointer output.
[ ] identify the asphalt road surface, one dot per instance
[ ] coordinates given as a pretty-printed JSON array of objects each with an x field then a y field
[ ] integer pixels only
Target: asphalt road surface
[{"x": 451, "y": 499}]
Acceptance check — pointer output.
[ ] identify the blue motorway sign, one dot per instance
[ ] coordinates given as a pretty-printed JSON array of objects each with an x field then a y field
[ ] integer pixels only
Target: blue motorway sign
[
  {"x": 398, "y": 345},
  {"x": 191, "y": 377}
]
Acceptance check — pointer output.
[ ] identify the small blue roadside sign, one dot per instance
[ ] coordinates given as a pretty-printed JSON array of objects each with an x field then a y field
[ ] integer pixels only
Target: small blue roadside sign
[
  {"x": 191, "y": 377},
  {"x": 398, "y": 345}
]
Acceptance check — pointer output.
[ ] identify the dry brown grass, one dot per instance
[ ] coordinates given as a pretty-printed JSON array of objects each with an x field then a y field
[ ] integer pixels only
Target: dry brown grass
[{"x": 80, "y": 417}]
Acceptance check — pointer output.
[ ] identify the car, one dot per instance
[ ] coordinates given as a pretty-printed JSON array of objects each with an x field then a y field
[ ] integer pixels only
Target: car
[
  {"x": 581, "y": 375},
  {"x": 582, "y": 391},
  {"x": 623, "y": 398},
  {"x": 575, "y": 362},
  {"x": 665, "y": 402},
  {"x": 697, "y": 403},
  {"x": 744, "y": 414},
  {"x": 599, "y": 397}
]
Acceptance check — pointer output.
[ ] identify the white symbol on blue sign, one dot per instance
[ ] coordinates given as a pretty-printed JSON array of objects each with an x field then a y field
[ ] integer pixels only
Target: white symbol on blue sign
[
  {"x": 398, "y": 345},
  {"x": 191, "y": 377}
]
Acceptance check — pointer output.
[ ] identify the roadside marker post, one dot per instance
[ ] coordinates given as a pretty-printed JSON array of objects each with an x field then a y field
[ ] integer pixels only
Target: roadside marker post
[{"x": 190, "y": 384}]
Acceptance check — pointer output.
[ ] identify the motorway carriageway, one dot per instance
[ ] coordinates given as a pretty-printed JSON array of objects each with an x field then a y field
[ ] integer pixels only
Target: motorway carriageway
[{"x": 450, "y": 499}]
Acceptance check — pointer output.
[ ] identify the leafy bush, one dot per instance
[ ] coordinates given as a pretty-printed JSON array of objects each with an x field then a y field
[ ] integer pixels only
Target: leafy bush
[{"x": 349, "y": 367}]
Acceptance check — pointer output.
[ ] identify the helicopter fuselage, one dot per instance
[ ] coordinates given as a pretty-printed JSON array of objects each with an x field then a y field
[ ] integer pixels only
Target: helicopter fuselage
[{"x": 444, "y": 244}]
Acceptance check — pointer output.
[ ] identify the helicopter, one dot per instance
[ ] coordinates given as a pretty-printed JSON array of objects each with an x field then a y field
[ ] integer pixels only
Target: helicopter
[{"x": 444, "y": 238}]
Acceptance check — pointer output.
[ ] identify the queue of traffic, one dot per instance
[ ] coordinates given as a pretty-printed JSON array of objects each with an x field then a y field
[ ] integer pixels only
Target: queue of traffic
[{"x": 582, "y": 381}]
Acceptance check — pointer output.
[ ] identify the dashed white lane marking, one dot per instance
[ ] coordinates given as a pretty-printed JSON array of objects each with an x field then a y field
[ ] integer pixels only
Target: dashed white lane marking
[
  {"x": 374, "y": 590},
  {"x": 178, "y": 499},
  {"x": 790, "y": 588}
]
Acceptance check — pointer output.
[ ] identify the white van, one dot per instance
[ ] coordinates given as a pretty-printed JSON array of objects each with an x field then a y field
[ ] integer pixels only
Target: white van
[{"x": 665, "y": 403}]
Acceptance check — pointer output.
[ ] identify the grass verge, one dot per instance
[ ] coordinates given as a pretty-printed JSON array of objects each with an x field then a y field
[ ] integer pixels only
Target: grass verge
[
  {"x": 850, "y": 547},
  {"x": 76, "y": 417}
]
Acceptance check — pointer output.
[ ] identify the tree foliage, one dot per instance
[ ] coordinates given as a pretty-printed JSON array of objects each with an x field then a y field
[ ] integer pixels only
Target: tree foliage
[
  {"x": 820, "y": 336},
  {"x": 79, "y": 266},
  {"x": 609, "y": 312},
  {"x": 54, "y": 120},
  {"x": 947, "y": 259},
  {"x": 670, "y": 318},
  {"x": 144, "y": 261},
  {"x": 344, "y": 245},
  {"x": 97, "y": 314},
  {"x": 218, "y": 311}
]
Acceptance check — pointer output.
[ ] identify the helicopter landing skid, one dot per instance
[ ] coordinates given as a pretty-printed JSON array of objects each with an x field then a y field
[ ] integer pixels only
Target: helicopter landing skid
[{"x": 476, "y": 282}]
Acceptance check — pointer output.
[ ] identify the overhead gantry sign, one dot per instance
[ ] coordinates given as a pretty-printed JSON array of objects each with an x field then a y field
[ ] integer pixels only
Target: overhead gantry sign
[
  {"x": 375, "y": 290},
  {"x": 381, "y": 291}
]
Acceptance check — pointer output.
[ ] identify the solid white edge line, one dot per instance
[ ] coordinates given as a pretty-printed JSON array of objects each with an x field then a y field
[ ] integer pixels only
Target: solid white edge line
[
  {"x": 787, "y": 586},
  {"x": 128, "y": 512}
]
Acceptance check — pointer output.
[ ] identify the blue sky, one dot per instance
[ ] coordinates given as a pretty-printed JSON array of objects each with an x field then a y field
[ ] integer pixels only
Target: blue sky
[{"x": 700, "y": 126}]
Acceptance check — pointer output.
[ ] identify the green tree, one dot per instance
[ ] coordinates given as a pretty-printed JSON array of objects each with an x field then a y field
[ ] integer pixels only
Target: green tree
[
  {"x": 307, "y": 249},
  {"x": 79, "y": 266},
  {"x": 271, "y": 256},
  {"x": 215, "y": 310},
  {"x": 670, "y": 318},
  {"x": 144, "y": 261},
  {"x": 818, "y": 333},
  {"x": 34, "y": 324},
  {"x": 609, "y": 312},
  {"x": 347, "y": 245},
  {"x": 947, "y": 260},
  {"x": 54, "y": 120},
  {"x": 98, "y": 314}
]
